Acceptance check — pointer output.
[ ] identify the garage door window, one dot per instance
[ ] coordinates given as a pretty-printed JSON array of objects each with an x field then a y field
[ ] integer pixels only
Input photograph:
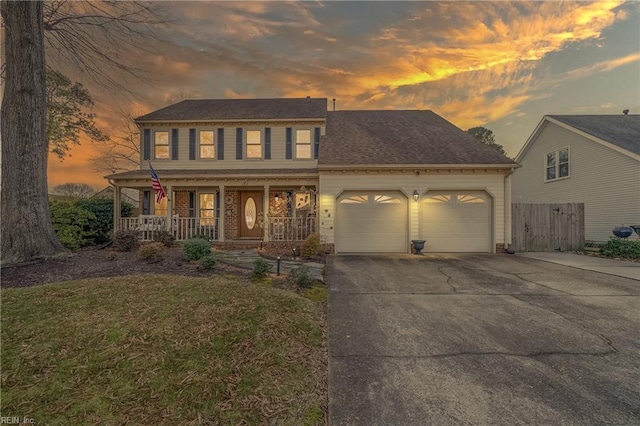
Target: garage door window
[
  {"x": 461, "y": 198},
  {"x": 375, "y": 198}
]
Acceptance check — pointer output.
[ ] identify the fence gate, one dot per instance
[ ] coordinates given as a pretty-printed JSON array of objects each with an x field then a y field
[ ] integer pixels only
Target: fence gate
[{"x": 547, "y": 227}]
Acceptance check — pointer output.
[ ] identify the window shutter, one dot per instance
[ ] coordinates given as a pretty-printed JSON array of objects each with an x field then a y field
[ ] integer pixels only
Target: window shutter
[
  {"x": 217, "y": 218},
  {"x": 192, "y": 144},
  {"x": 220, "y": 144},
  {"x": 316, "y": 141},
  {"x": 146, "y": 202},
  {"x": 289, "y": 153},
  {"x": 174, "y": 144},
  {"x": 146, "y": 144},
  {"x": 192, "y": 204},
  {"x": 238, "y": 143},
  {"x": 267, "y": 143}
]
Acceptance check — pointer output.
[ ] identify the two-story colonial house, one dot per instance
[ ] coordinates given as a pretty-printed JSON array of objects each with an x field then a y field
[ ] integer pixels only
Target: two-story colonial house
[{"x": 280, "y": 169}]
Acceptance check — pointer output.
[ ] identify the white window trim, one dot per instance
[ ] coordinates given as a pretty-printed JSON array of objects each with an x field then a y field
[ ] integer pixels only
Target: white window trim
[
  {"x": 153, "y": 148},
  {"x": 215, "y": 148},
  {"x": 245, "y": 145},
  {"x": 295, "y": 144},
  {"x": 557, "y": 165}
]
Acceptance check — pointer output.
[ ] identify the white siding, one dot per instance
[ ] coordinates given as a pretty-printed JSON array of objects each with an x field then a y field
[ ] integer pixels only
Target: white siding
[
  {"x": 278, "y": 149},
  {"x": 332, "y": 184},
  {"x": 606, "y": 181}
]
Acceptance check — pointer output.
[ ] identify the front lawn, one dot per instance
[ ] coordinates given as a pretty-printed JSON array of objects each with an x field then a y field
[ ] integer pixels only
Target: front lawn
[{"x": 151, "y": 349}]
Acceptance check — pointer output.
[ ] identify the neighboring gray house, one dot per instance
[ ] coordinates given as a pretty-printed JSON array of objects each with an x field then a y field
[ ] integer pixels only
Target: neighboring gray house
[
  {"x": 590, "y": 159},
  {"x": 279, "y": 169}
]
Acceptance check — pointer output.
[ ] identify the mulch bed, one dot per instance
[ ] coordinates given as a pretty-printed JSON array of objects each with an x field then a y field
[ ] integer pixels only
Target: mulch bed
[{"x": 93, "y": 262}]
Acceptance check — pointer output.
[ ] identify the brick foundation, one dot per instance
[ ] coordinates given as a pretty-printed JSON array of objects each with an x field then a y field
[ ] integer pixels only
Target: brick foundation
[{"x": 500, "y": 248}]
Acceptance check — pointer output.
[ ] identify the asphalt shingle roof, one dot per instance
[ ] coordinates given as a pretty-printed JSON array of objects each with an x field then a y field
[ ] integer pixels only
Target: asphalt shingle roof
[
  {"x": 241, "y": 109},
  {"x": 400, "y": 137},
  {"x": 620, "y": 130}
]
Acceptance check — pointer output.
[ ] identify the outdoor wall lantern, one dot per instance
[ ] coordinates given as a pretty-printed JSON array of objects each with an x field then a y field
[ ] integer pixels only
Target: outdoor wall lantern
[
  {"x": 415, "y": 195},
  {"x": 276, "y": 197}
]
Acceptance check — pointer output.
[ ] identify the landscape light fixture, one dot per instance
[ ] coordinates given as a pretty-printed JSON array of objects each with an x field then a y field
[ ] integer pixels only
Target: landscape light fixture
[{"x": 415, "y": 195}]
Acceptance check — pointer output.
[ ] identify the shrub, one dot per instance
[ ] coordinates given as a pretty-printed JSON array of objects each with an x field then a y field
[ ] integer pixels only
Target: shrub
[
  {"x": 206, "y": 262},
  {"x": 69, "y": 222},
  {"x": 617, "y": 247},
  {"x": 150, "y": 252},
  {"x": 98, "y": 230},
  {"x": 112, "y": 255},
  {"x": 125, "y": 240},
  {"x": 261, "y": 268},
  {"x": 311, "y": 246},
  {"x": 302, "y": 277},
  {"x": 196, "y": 248},
  {"x": 201, "y": 236},
  {"x": 165, "y": 237}
]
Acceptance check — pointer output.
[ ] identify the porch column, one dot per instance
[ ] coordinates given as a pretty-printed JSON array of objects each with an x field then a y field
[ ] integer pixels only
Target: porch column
[
  {"x": 169, "y": 208},
  {"x": 117, "y": 194},
  {"x": 265, "y": 203},
  {"x": 222, "y": 211}
]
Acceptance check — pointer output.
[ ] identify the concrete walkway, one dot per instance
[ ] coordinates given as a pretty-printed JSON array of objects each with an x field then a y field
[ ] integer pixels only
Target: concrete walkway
[
  {"x": 621, "y": 268},
  {"x": 245, "y": 259}
]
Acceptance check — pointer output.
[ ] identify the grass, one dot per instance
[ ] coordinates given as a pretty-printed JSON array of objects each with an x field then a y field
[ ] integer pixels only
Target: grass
[{"x": 153, "y": 349}]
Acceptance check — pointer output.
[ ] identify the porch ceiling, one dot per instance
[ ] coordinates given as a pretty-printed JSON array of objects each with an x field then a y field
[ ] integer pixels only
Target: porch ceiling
[{"x": 230, "y": 177}]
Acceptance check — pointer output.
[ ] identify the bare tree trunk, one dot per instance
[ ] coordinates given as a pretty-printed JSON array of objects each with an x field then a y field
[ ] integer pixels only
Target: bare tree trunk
[{"x": 27, "y": 232}]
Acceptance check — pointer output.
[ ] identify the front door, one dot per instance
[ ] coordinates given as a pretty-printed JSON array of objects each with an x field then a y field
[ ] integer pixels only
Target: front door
[{"x": 250, "y": 215}]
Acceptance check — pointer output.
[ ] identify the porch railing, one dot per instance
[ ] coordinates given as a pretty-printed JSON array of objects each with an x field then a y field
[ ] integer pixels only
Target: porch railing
[
  {"x": 183, "y": 228},
  {"x": 291, "y": 228}
]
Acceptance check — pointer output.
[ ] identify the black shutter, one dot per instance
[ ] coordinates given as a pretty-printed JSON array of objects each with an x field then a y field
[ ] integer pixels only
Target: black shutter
[
  {"x": 267, "y": 143},
  {"x": 146, "y": 144},
  {"x": 192, "y": 144},
  {"x": 316, "y": 141},
  {"x": 192, "y": 204},
  {"x": 174, "y": 144},
  {"x": 238, "y": 143},
  {"x": 146, "y": 202},
  {"x": 220, "y": 144},
  {"x": 289, "y": 151}
]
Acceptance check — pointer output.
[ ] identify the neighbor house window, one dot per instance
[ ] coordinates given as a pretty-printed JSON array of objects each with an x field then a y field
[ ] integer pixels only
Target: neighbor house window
[
  {"x": 557, "y": 164},
  {"x": 161, "y": 145},
  {"x": 207, "y": 209},
  {"x": 303, "y": 143},
  {"x": 207, "y": 147},
  {"x": 254, "y": 144}
]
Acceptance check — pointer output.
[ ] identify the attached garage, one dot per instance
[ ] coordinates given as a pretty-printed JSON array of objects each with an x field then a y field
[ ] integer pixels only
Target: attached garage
[
  {"x": 456, "y": 221},
  {"x": 371, "y": 222}
]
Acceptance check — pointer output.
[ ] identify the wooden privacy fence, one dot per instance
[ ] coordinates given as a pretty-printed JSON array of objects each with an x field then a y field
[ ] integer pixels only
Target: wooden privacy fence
[{"x": 547, "y": 227}]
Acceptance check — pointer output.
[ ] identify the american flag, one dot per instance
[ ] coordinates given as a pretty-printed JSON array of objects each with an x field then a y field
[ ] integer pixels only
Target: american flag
[{"x": 157, "y": 186}]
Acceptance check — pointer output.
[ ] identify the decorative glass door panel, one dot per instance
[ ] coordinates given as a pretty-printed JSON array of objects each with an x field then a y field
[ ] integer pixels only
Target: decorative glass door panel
[{"x": 250, "y": 211}]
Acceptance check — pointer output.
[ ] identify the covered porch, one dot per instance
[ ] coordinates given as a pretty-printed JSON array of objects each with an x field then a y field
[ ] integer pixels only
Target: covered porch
[{"x": 262, "y": 207}]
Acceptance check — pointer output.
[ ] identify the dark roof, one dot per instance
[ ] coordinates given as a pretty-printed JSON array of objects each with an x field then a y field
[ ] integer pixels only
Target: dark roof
[
  {"x": 620, "y": 130},
  {"x": 241, "y": 109},
  {"x": 400, "y": 137},
  {"x": 173, "y": 173}
]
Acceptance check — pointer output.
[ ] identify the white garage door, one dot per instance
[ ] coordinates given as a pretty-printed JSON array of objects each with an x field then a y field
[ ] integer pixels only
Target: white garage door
[
  {"x": 371, "y": 222},
  {"x": 456, "y": 221}
]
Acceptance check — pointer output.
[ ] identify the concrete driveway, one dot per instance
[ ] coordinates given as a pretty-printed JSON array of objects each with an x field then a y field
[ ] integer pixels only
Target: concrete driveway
[{"x": 480, "y": 339}]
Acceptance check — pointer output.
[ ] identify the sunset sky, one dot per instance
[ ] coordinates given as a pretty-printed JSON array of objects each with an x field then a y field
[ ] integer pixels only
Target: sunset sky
[{"x": 502, "y": 65}]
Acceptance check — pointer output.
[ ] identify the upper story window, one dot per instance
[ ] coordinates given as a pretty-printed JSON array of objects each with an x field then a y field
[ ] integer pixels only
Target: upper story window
[
  {"x": 254, "y": 144},
  {"x": 303, "y": 143},
  {"x": 207, "y": 147},
  {"x": 557, "y": 164},
  {"x": 161, "y": 145}
]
